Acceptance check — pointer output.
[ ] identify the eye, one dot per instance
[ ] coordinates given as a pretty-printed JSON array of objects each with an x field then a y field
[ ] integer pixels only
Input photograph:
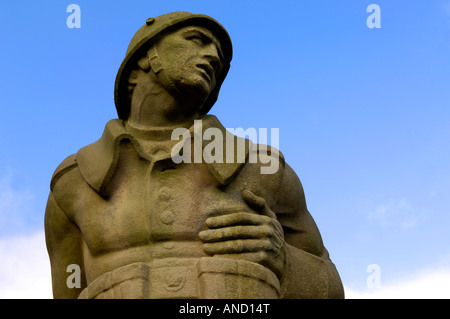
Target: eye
[{"x": 197, "y": 39}]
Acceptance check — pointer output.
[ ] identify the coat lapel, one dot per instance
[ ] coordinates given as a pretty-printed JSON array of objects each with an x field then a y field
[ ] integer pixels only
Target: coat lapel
[{"x": 97, "y": 162}]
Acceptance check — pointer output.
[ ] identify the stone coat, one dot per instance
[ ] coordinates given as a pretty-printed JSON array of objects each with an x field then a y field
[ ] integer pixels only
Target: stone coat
[{"x": 123, "y": 201}]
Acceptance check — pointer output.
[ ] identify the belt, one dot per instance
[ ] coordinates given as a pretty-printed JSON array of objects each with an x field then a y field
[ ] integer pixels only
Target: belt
[{"x": 206, "y": 278}]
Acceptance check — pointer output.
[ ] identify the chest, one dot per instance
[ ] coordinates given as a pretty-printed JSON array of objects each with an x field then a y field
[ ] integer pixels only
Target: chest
[{"x": 151, "y": 202}]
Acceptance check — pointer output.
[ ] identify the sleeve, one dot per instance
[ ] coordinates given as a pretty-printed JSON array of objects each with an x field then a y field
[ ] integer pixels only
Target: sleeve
[
  {"x": 309, "y": 272},
  {"x": 64, "y": 245}
]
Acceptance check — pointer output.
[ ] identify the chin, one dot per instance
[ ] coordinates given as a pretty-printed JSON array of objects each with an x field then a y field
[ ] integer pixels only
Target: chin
[{"x": 197, "y": 91}]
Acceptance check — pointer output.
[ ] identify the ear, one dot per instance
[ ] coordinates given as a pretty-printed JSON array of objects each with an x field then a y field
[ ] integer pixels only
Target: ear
[
  {"x": 132, "y": 79},
  {"x": 144, "y": 64}
]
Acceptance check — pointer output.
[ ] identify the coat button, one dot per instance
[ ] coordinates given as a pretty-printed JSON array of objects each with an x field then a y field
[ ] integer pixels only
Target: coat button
[
  {"x": 164, "y": 194},
  {"x": 167, "y": 217},
  {"x": 150, "y": 21}
]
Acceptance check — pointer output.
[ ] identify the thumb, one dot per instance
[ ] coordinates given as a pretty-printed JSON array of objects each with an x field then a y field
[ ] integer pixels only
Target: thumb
[{"x": 257, "y": 203}]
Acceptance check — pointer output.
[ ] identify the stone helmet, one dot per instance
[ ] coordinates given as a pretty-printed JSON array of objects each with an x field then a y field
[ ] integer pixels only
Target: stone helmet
[{"x": 147, "y": 35}]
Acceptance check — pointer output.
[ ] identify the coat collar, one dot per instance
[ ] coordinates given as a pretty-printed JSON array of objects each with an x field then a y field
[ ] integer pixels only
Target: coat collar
[{"x": 97, "y": 162}]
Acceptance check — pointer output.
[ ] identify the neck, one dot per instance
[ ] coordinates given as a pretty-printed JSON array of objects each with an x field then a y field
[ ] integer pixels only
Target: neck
[{"x": 153, "y": 106}]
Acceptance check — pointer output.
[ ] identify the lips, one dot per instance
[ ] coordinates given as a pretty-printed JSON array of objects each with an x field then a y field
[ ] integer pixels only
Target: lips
[{"x": 207, "y": 70}]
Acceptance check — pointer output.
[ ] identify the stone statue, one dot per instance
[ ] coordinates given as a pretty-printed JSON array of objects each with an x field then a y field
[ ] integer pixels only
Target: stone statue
[{"x": 141, "y": 215}]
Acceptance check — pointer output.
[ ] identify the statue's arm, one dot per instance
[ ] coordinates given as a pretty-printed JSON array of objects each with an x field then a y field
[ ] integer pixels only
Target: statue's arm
[
  {"x": 308, "y": 272},
  {"x": 64, "y": 245}
]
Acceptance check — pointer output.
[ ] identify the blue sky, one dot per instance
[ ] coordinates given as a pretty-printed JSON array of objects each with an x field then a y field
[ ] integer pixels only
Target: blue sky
[{"x": 363, "y": 116}]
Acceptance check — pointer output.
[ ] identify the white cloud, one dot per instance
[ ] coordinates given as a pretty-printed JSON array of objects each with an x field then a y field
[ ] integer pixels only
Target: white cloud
[
  {"x": 25, "y": 274},
  {"x": 15, "y": 204},
  {"x": 426, "y": 284},
  {"x": 24, "y": 263},
  {"x": 24, "y": 268},
  {"x": 398, "y": 213}
]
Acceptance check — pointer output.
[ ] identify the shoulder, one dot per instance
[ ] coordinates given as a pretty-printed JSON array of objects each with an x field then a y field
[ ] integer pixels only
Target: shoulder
[
  {"x": 67, "y": 165},
  {"x": 292, "y": 196},
  {"x": 269, "y": 159},
  {"x": 268, "y": 152}
]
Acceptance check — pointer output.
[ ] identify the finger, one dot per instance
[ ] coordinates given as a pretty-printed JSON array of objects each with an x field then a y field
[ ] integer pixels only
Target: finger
[
  {"x": 237, "y": 246},
  {"x": 257, "y": 203},
  {"x": 241, "y": 218},
  {"x": 236, "y": 232}
]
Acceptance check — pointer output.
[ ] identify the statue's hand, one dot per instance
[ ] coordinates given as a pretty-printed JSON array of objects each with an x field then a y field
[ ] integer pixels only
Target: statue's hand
[{"x": 255, "y": 236}]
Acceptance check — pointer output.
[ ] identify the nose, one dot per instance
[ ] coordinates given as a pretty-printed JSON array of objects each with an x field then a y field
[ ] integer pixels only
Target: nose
[{"x": 212, "y": 55}]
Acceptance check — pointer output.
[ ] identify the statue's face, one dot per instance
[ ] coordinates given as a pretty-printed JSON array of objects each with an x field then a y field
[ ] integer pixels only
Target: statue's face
[{"x": 192, "y": 59}]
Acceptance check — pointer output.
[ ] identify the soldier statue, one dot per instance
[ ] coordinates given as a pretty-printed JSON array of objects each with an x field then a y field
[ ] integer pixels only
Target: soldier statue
[{"x": 137, "y": 223}]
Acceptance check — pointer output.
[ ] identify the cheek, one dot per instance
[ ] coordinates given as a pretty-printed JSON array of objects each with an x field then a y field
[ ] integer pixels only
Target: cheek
[{"x": 177, "y": 55}]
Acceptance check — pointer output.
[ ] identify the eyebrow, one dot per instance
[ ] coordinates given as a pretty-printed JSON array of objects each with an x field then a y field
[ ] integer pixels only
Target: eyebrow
[{"x": 212, "y": 39}]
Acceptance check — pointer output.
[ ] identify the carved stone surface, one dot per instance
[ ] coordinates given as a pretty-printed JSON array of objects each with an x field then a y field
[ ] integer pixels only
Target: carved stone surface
[{"x": 145, "y": 215}]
